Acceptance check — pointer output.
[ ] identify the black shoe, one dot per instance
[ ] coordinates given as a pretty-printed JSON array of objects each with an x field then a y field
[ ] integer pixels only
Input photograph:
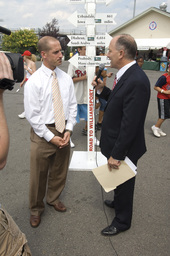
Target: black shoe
[
  {"x": 84, "y": 132},
  {"x": 109, "y": 203},
  {"x": 110, "y": 231}
]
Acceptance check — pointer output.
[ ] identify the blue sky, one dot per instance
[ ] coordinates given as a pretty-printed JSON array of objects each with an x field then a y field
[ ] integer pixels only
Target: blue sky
[{"x": 36, "y": 13}]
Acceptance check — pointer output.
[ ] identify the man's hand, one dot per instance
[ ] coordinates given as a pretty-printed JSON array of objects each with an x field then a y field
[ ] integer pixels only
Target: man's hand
[
  {"x": 113, "y": 163},
  {"x": 5, "y": 67},
  {"x": 110, "y": 74},
  {"x": 99, "y": 85},
  {"x": 61, "y": 142}
]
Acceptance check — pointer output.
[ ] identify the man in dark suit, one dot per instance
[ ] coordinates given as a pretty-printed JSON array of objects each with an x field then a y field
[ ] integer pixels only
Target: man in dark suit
[{"x": 123, "y": 124}]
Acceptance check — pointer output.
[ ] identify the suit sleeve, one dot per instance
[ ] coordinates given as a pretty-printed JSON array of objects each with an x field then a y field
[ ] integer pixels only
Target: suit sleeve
[
  {"x": 104, "y": 94},
  {"x": 135, "y": 103}
]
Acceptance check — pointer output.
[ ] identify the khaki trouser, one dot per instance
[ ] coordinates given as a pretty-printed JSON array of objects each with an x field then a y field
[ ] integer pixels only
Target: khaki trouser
[
  {"x": 12, "y": 241},
  {"x": 48, "y": 171}
]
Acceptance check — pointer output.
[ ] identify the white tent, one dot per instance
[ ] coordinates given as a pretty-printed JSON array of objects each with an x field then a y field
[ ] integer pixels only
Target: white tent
[{"x": 152, "y": 43}]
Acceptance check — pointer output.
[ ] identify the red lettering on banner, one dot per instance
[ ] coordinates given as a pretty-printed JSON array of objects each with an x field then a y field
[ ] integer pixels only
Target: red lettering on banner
[
  {"x": 91, "y": 120},
  {"x": 91, "y": 133},
  {"x": 91, "y": 144}
]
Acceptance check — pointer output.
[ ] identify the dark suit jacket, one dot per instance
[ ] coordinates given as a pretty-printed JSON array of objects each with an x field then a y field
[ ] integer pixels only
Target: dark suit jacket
[{"x": 123, "y": 123}]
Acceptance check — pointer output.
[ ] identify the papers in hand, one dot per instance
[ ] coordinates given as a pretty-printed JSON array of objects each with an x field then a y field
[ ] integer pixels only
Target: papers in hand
[{"x": 109, "y": 180}]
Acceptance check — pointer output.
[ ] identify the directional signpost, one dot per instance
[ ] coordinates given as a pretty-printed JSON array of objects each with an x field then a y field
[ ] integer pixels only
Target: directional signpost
[
  {"x": 83, "y": 40},
  {"x": 87, "y": 160},
  {"x": 89, "y": 1},
  {"x": 82, "y": 19},
  {"x": 89, "y": 61}
]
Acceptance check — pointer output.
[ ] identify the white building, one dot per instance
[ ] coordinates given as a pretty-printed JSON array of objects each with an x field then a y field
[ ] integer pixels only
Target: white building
[{"x": 150, "y": 30}]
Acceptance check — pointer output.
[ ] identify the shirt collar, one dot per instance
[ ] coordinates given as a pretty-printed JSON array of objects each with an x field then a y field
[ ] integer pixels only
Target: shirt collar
[
  {"x": 48, "y": 71},
  {"x": 123, "y": 69}
]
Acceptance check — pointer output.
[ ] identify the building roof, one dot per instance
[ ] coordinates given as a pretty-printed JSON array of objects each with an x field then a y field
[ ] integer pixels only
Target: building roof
[
  {"x": 149, "y": 40},
  {"x": 152, "y": 9}
]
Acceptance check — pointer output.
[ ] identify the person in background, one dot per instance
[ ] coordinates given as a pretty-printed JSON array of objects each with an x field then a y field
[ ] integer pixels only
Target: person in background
[
  {"x": 51, "y": 127},
  {"x": 140, "y": 60},
  {"x": 163, "y": 98},
  {"x": 80, "y": 83},
  {"x": 12, "y": 240},
  {"x": 30, "y": 68},
  {"x": 5, "y": 72},
  {"x": 122, "y": 133},
  {"x": 101, "y": 103}
]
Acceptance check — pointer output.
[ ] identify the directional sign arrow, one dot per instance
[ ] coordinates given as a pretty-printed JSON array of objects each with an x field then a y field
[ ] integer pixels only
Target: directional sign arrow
[
  {"x": 83, "y": 40},
  {"x": 103, "y": 40},
  {"x": 105, "y": 18},
  {"x": 77, "y": 60},
  {"x": 89, "y": 1},
  {"x": 82, "y": 19}
]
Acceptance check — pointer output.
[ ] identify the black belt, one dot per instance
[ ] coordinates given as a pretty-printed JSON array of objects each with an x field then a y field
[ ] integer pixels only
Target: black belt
[
  {"x": 53, "y": 125},
  {"x": 50, "y": 125}
]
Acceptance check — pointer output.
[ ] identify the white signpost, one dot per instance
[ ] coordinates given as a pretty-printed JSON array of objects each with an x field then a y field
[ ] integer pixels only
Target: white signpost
[
  {"x": 89, "y": 1},
  {"x": 83, "y": 40},
  {"x": 87, "y": 160},
  {"x": 90, "y": 19},
  {"x": 89, "y": 61}
]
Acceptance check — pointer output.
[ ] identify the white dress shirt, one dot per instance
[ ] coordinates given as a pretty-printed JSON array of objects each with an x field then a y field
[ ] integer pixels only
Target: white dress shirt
[
  {"x": 38, "y": 100},
  {"x": 123, "y": 69}
]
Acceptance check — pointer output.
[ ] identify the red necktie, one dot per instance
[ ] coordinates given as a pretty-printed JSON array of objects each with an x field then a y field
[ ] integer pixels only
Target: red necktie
[{"x": 114, "y": 83}]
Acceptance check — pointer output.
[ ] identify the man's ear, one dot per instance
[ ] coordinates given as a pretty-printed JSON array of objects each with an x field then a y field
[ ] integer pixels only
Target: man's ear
[
  {"x": 43, "y": 54},
  {"x": 121, "y": 54}
]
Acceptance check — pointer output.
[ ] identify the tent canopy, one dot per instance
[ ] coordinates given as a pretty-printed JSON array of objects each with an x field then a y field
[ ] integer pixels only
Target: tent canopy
[{"x": 152, "y": 43}]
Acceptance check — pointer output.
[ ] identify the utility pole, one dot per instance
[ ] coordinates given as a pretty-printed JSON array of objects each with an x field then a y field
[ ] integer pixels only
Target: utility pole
[{"x": 134, "y": 8}]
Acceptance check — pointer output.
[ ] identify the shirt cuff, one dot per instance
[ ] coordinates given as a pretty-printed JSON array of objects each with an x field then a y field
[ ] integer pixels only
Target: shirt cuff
[
  {"x": 48, "y": 136},
  {"x": 69, "y": 126}
]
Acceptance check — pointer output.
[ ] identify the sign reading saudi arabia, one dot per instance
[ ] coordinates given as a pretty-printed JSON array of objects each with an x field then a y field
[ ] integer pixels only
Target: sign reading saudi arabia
[
  {"x": 79, "y": 19},
  {"x": 77, "y": 60},
  {"x": 89, "y": 1},
  {"x": 83, "y": 40}
]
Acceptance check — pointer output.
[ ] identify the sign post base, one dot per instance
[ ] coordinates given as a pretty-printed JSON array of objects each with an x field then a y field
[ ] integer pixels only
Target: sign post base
[{"x": 81, "y": 162}]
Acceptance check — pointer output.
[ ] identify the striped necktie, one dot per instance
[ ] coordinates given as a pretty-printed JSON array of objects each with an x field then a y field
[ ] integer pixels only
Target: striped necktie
[
  {"x": 114, "y": 83},
  {"x": 59, "y": 116}
]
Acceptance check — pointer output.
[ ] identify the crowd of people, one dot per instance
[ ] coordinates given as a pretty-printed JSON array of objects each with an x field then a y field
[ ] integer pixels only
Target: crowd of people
[{"x": 54, "y": 101}]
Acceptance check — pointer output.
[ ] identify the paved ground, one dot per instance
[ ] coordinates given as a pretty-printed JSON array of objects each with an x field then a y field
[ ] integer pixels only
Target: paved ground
[{"x": 77, "y": 232}]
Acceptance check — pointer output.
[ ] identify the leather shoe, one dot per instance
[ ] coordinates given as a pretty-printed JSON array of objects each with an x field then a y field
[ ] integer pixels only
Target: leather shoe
[
  {"x": 35, "y": 221},
  {"x": 110, "y": 231},
  {"x": 109, "y": 203},
  {"x": 60, "y": 207}
]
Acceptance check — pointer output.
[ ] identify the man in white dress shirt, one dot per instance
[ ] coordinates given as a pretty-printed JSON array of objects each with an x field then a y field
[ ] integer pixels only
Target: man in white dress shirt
[{"x": 50, "y": 149}]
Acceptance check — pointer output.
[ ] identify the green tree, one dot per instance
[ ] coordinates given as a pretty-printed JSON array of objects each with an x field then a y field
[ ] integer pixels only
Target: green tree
[{"x": 19, "y": 41}]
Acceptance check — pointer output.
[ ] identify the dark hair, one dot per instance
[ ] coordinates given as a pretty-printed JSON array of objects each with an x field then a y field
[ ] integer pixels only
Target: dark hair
[
  {"x": 139, "y": 57},
  {"x": 128, "y": 44}
]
